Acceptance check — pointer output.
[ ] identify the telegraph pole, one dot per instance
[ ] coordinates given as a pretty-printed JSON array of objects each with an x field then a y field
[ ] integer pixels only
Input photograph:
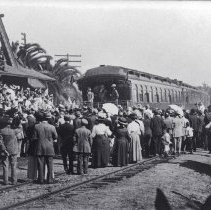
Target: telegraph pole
[
  {"x": 23, "y": 38},
  {"x": 70, "y": 60}
]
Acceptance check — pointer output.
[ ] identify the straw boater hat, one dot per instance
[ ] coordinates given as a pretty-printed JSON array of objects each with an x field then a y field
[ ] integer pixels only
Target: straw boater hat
[{"x": 122, "y": 121}]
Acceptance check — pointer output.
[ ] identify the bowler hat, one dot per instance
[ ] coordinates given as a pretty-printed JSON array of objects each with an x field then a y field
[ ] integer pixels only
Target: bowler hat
[
  {"x": 133, "y": 116},
  {"x": 122, "y": 121}
]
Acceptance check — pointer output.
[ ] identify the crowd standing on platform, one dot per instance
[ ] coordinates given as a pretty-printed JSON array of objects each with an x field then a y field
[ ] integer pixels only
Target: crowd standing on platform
[{"x": 30, "y": 125}]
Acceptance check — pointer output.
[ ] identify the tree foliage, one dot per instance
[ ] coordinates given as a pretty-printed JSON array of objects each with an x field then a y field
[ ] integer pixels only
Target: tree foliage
[{"x": 33, "y": 56}]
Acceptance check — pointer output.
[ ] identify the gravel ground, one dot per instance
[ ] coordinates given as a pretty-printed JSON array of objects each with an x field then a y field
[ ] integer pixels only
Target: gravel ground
[
  {"x": 27, "y": 191},
  {"x": 188, "y": 175}
]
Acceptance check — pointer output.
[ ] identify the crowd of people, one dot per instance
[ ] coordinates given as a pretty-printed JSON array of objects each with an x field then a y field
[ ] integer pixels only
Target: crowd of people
[{"x": 30, "y": 125}]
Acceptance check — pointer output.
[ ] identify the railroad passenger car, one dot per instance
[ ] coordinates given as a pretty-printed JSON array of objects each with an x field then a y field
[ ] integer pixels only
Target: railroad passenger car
[{"x": 137, "y": 87}]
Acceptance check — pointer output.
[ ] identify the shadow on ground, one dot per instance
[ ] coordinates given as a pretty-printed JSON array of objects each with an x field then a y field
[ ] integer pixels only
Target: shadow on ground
[{"x": 202, "y": 168}]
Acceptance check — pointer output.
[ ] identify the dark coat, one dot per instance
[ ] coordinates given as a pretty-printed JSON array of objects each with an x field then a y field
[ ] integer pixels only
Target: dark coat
[
  {"x": 44, "y": 136},
  {"x": 194, "y": 122},
  {"x": 147, "y": 124},
  {"x": 83, "y": 140},
  {"x": 120, "y": 149},
  {"x": 92, "y": 121},
  {"x": 157, "y": 126},
  {"x": 77, "y": 123},
  {"x": 8, "y": 141},
  {"x": 66, "y": 133}
]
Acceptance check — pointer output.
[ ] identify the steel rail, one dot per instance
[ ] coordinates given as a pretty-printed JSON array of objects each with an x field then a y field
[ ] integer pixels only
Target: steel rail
[
  {"x": 6, "y": 189},
  {"x": 75, "y": 186}
]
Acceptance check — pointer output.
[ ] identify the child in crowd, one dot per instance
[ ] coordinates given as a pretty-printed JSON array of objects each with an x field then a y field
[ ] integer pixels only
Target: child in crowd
[
  {"x": 189, "y": 135},
  {"x": 166, "y": 140}
]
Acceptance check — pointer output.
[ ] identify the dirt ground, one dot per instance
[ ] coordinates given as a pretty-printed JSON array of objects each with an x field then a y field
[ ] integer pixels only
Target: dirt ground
[{"x": 188, "y": 175}]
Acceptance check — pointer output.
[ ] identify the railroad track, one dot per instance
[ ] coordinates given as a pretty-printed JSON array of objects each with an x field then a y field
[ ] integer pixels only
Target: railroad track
[
  {"x": 90, "y": 183},
  {"x": 23, "y": 183}
]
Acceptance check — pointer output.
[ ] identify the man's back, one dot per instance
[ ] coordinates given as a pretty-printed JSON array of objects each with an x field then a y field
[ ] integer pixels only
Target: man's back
[
  {"x": 9, "y": 140},
  {"x": 157, "y": 125},
  {"x": 45, "y": 134},
  {"x": 66, "y": 132},
  {"x": 83, "y": 136}
]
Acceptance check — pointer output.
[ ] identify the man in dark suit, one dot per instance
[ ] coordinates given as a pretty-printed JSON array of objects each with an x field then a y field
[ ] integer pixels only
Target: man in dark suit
[
  {"x": 157, "y": 126},
  {"x": 83, "y": 146},
  {"x": 66, "y": 132},
  {"x": 45, "y": 134}
]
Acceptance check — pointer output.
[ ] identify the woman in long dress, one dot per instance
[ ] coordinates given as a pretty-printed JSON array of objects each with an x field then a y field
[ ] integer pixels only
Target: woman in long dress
[
  {"x": 134, "y": 131},
  {"x": 101, "y": 144},
  {"x": 121, "y": 144}
]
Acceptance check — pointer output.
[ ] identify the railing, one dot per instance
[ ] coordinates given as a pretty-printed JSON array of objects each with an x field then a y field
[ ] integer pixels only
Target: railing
[{"x": 123, "y": 103}]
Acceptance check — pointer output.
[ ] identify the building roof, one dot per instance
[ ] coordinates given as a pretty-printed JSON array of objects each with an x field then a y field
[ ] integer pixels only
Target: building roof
[{"x": 24, "y": 72}]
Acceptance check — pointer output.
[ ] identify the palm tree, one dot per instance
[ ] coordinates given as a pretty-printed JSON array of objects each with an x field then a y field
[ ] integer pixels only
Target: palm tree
[{"x": 35, "y": 57}]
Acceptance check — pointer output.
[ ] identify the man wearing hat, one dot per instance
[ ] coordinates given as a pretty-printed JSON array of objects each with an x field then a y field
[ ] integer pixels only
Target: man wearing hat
[
  {"x": 157, "y": 126},
  {"x": 66, "y": 132},
  {"x": 114, "y": 94},
  {"x": 44, "y": 135},
  {"x": 83, "y": 142},
  {"x": 8, "y": 147},
  {"x": 77, "y": 120},
  {"x": 90, "y": 97}
]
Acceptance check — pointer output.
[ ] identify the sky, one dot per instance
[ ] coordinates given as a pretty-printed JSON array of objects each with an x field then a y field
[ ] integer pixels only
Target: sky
[{"x": 170, "y": 39}]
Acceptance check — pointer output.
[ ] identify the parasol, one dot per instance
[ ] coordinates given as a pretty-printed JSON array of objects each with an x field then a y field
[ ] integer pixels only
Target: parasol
[{"x": 111, "y": 108}]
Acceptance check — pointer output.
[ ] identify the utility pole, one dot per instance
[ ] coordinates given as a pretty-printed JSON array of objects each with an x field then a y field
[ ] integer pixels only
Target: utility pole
[
  {"x": 24, "y": 38},
  {"x": 70, "y": 60}
]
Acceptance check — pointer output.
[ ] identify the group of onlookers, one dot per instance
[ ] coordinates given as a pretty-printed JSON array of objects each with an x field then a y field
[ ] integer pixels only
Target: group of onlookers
[{"x": 95, "y": 136}]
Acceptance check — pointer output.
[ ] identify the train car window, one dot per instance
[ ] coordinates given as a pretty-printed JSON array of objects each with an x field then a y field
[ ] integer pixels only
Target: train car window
[
  {"x": 137, "y": 97},
  {"x": 169, "y": 97},
  {"x": 147, "y": 97},
  {"x": 161, "y": 95},
  {"x": 152, "y": 95},
  {"x": 141, "y": 93},
  {"x": 165, "y": 95},
  {"x": 172, "y": 97}
]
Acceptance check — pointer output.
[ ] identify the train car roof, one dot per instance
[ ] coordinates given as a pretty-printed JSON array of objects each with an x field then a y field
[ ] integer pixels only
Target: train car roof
[{"x": 122, "y": 71}]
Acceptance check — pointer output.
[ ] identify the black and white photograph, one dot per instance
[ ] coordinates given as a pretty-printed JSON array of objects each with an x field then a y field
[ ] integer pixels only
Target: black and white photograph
[{"x": 105, "y": 105}]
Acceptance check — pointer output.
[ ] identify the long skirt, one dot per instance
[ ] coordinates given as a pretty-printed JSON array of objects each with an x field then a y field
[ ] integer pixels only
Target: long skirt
[
  {"x": 101, "y": 151},
  {"x": 32, "y": 171},
  {"x": 135, "y": 148},
  {"x": 120, "y": 152}
]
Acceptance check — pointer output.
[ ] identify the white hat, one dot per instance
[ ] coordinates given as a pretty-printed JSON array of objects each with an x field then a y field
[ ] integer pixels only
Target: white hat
[{"x": 113, "y": 85}]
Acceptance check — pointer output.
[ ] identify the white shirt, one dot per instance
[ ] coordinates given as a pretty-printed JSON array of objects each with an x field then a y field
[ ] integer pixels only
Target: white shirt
[
  {"x": 133, "y": 127},
  {"x": 101, "y": 129}
]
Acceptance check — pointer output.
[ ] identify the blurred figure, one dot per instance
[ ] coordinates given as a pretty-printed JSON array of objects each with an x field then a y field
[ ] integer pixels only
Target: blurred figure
[
  {"x": 9, "y": 146},
  {"x": 194, "y": 123},
  {"x": 44, "y": 136},
  {"x": 166, "y": 140},
  {"x": 90, "y": 97},
  {"x": 133, "y": 128},
  {"x": 101, "y": 144},
  {"x": 121, "y": 144},
  {"x": 83, "y": 143},
  {"x": 114, "y": 94},
  {"x": 147, "y": 134},
  {"x": 157, "y": 126},
  {"x": 177, "y": 132},
  {"x": 66, "y": 132},
  {"x": 189, "y": 136}
]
